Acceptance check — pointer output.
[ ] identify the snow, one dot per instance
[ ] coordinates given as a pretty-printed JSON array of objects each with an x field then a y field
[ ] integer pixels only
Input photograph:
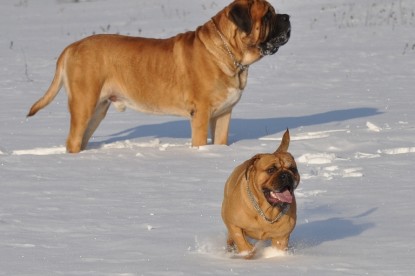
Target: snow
[{"x": 141, "y": 201}]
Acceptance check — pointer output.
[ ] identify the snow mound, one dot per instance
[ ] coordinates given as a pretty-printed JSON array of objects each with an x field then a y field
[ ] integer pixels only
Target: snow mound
[{"x": 317, "y": 158}]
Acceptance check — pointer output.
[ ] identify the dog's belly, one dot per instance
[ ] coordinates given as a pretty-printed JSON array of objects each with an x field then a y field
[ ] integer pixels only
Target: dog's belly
[
  {"x": 150, "y": 108},
  {"x": 121, "y": 100}
]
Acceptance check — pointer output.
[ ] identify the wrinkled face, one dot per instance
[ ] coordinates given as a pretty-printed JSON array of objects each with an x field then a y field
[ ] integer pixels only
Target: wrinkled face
[
  {"x": 261, "y": 27},
  {"x": 276, "y": 177},
  {"x": 276, "y": 31}
]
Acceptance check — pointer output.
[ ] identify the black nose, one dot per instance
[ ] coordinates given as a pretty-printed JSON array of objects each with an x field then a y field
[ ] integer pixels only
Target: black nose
[
  {"x": 283, "y": 17},
  {"x": 285, "y": 178}
]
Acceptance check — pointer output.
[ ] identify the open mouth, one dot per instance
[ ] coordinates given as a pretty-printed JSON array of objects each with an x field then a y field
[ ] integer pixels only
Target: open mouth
[{"x": 275, "y": 197}]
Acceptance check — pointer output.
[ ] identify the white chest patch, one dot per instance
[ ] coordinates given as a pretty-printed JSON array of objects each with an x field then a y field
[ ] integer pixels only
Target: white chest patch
[{"x": 234, "y": 95}]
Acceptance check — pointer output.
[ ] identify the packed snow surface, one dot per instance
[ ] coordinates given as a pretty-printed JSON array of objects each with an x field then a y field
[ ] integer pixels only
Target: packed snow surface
[{"x": 141, "y": 201}]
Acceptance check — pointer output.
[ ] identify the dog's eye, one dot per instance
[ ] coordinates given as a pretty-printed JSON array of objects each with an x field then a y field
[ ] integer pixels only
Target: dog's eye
[
  {"x": 267, "y": 17},
  {"x": 294, "y": 170},
  {"x": 271, "y": 170}
]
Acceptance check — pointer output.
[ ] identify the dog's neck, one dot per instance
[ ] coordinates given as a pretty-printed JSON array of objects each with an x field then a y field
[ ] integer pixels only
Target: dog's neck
[
  {"x": 239, "y": 66},
  {"x": 284, "y": 206}
]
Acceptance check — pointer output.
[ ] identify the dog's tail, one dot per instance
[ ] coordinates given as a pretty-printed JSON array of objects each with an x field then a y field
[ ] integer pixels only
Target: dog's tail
[{"x": 53, "y": 90}]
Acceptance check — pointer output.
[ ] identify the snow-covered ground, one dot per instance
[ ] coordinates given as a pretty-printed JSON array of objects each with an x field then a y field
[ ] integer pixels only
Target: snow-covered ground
[{"x": 141, "y": 201}]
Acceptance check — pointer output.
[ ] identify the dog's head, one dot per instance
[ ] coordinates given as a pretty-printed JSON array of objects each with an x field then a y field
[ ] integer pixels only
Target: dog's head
[
  {"x": 275, "y": 175},
  {"x": 259, "y": 26}
]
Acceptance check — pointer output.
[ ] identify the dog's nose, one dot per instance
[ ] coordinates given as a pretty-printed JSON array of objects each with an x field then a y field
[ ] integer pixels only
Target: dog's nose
[
  {"x": 283, "y": 176},
  {"x": 284, "y": 17},
  {"x": 285, "y": 179}
]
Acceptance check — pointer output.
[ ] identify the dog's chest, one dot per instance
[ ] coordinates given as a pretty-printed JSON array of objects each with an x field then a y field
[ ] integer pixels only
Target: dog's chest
[
  {"x": 233, "y": 95},
  {"x": 260, "y": 229}
]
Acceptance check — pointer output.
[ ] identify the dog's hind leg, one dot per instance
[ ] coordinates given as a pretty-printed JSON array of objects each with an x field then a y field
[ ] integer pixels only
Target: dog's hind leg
[
  {"x": 79, "y": 123},
  {"x": 83, "y": 102},
  {"x": 97, "y": 117}
]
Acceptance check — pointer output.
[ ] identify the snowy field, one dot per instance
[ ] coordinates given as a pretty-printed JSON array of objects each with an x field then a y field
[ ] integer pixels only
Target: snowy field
[{"x": 141, "y": 201}]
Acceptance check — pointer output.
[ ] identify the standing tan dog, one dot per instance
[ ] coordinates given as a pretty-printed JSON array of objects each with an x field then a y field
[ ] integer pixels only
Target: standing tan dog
[
  {"x": 259, "y": 200},
  {"x": 198, "y": 74}
]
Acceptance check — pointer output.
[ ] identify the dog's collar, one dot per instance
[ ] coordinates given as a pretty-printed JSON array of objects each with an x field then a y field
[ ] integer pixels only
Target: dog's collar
[
  {"x": 238, "y": 65},
  {"x": 283, "y": 206}
]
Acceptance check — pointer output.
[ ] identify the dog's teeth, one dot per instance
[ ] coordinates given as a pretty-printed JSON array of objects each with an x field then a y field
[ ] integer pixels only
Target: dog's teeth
[{"x": 274, "y": 195}]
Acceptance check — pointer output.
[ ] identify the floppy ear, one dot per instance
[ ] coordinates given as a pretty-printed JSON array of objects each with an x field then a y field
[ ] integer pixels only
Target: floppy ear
[
  {"x": 284, "y": 143},
  {"x": 251, "y": 162},
  {"x": 240, "y": 15}
]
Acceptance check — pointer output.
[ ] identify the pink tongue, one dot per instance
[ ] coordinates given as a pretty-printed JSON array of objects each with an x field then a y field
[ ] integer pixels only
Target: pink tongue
[{"x": 284, "y": 196}]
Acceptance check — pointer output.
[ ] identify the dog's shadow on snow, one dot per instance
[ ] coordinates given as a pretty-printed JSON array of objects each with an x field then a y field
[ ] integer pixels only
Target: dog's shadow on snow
[
  {"x": 243, "y": 129},
  {"x": 314, "y": 233}
]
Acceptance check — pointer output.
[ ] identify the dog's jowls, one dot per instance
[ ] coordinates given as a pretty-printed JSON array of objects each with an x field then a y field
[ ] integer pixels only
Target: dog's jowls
[
  {"x": 259, "y": 200},
  {"x": 198, "y": 74}
]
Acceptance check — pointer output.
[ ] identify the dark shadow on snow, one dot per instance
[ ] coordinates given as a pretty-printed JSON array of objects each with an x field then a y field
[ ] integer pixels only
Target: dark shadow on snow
[
  {"x": 242, "y": 129},
  {"x": 312, "y": 234}
]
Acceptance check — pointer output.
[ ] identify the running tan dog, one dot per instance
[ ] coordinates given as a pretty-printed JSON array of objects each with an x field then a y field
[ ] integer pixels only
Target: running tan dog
[
  {"x": 198, "y": 74},
  {"x": 259, "y": 200}
]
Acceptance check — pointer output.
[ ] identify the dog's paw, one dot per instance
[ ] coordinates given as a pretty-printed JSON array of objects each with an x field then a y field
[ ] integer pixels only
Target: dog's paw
[
  {"x": 247, "y": 255},
  {"x": 231, "y": 248}
]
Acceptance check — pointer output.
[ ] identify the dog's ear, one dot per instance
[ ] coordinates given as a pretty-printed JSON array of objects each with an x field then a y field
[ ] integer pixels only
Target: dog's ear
[
  {"x": 284, "y": 143},
  {"x": 250, "y": 164},
  {"x": 241, "y": 16}
]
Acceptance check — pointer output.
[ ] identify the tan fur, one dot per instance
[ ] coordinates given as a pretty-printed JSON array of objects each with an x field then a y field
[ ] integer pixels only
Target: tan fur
[
  {"x": 238, "y": 213},
  {"x": 190, "y": 75}
]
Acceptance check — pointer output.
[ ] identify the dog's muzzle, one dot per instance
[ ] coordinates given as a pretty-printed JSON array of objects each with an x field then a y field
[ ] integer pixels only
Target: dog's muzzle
[
  {"x": 283, "y": 189},
  {"x": 279, "y": 34}
]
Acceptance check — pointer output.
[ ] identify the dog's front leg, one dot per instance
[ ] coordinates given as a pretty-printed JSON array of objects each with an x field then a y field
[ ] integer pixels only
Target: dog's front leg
[
  {"x": 220, "y": 128},
  {"x": 237, "y": 236},
  {"x": 200, "y": 125},
  {"x": 281, "y": 243}
]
